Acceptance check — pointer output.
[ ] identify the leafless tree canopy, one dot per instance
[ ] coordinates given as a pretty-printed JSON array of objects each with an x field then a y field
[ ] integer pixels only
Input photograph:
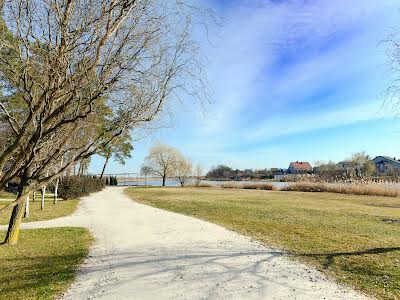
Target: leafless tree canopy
[
  {"x": 392, "y": 93},
  {"x": 74, "y": 74}
]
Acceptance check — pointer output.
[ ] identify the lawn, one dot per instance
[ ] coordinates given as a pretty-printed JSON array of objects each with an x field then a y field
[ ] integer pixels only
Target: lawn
[
  {"x": 6, "y": 196},
  {"x": 355, "y": 239},
  {"x": 43, "y": 264},
  {"x": 50, "y": 211}
]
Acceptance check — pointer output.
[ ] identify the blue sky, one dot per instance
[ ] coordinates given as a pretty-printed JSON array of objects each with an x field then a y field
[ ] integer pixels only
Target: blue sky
[{"x": 291, "y": 80}]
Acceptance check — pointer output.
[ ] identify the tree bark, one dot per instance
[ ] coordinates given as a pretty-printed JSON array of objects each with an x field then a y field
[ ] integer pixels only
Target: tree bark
[
  {"x": 43, "y": 194},
  {"x": 104, "y": 167},
  {"x": 80, "y": 170},
  {"x": 33, "y": 196},
  {"x": 26, "y": 214},
  {"x": 163, "y": 181},
  {"x": 56, "y": 191},
  {"x": 16, "y": 218}
]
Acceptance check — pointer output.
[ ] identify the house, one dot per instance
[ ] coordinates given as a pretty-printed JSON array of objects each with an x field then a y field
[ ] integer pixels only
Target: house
[
  {"x": 300, "y": 167},
  {"x": 386, "y": 165}
]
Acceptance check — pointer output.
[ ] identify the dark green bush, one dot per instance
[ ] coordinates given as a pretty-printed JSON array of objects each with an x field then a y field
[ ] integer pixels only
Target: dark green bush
[
  {"x": 112, "y": 180},
  {"x": 74, "y": 187}
]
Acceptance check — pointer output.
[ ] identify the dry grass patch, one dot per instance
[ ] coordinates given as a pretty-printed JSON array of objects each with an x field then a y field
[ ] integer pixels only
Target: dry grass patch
[
  {"x": 346, "y": 236},
  {"x": 367, "y": 190},
  {"x": 260, "y": 186},
  {"x": 232, "y": 185}
]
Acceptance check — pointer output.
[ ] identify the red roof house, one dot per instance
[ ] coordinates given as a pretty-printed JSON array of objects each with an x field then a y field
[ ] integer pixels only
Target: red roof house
[{"x": 298, "y": 167}]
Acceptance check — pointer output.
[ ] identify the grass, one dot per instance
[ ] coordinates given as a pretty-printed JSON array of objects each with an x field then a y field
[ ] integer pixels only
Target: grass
[
  {"x": 42, "y": 265},
  {"x": 356, "y": 239},
  {"x": 6, "y": 195},
  {"x": 50, "y": 211}
]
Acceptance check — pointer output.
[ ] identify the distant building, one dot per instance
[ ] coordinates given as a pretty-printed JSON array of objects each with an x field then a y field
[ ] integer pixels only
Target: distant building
[
  {"x": 386, "y": 165},
  {"x": 299, "y": 167}
]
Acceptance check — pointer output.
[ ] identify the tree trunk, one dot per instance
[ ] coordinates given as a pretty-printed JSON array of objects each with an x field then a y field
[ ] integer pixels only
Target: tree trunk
[
  {"x": 26, "y": 214},
  {"x": 104, "y": 167},
  {"x": 163, "y": 181},
  {"x": 16, "y": 218},
  {"x": 43, "y": 194},
  {"x": 56, "y": 191},
  {"x": 145, "y": 180},
  {"x": 33, "y": 196},
  {"x": 80, "y": 170}
]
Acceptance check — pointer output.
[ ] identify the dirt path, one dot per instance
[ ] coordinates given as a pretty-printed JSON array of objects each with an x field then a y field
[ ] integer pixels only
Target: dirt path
[{"x": 146, "y": 253}]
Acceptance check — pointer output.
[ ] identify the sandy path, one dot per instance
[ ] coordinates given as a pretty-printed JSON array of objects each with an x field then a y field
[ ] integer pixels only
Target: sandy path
[{"x": 146, "y": 253}]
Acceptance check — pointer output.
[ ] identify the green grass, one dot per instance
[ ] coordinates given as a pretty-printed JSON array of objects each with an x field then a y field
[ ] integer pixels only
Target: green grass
[
  {"x": 6, "y": 195},
  {"x": 43, "y": 264},
  {"x": 356, "y": 239},
  {"x": 50, "y": 211}
]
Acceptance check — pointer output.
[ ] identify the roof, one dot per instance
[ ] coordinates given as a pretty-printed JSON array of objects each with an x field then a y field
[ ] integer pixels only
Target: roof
[
  {"x": 300, "y": 165},
  {"x": 390, "y": 159}
]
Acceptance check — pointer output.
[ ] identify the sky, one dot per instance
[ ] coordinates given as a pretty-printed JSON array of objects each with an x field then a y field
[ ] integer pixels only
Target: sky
[{"x": 300, "y": 80}]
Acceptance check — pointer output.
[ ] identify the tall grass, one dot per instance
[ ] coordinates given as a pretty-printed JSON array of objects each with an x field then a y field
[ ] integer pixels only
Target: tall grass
[
  {"x": 249, "y": 186},
  {"x": 260, "y": 186},
  {"x": 232, "y": 185},
  {"x": 370, "y": 190}
]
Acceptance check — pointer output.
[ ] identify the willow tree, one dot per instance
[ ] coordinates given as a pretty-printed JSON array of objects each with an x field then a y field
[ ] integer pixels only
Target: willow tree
[
  {"x": 66, "y": 60},
  {"x": 183, "y": 170},
  {"x": 162, "y": 161}
]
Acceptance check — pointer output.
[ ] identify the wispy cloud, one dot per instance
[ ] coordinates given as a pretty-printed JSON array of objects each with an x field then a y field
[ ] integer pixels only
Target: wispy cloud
[{"x": 284, "y": 69}]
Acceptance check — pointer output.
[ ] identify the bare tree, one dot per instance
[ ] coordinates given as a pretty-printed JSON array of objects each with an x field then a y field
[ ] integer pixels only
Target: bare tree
[
  {"x": 162, "y": 160},
  {"x": 182, "y": 169},
  {"x": 145, "y": 171},
  {"x": 68, "y": 68},
  {"x": 198, "y": 174}
]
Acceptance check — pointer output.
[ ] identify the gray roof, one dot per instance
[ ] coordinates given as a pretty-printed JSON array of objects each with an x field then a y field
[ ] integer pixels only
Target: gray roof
[{"x": 387, "y": 158}]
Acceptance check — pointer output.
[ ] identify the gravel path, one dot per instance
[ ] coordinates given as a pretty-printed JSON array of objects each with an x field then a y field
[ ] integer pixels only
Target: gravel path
[{"x": 146, "y": 253}]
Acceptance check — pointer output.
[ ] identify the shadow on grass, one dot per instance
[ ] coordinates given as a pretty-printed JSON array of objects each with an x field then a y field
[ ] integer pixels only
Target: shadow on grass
[{"x": 331, "y": 256}]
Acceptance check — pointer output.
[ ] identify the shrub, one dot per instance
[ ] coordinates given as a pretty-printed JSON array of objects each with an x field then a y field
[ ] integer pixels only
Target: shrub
[
  {"x": 112, "y": 180},
  {"x": 73, "y": 187}
]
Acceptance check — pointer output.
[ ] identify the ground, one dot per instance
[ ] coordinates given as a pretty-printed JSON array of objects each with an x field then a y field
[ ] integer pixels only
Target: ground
[
  {"x": 143, "y": 252},
  {"x": 356, "y": 239},
  {"x": 43, "y": 264}
]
